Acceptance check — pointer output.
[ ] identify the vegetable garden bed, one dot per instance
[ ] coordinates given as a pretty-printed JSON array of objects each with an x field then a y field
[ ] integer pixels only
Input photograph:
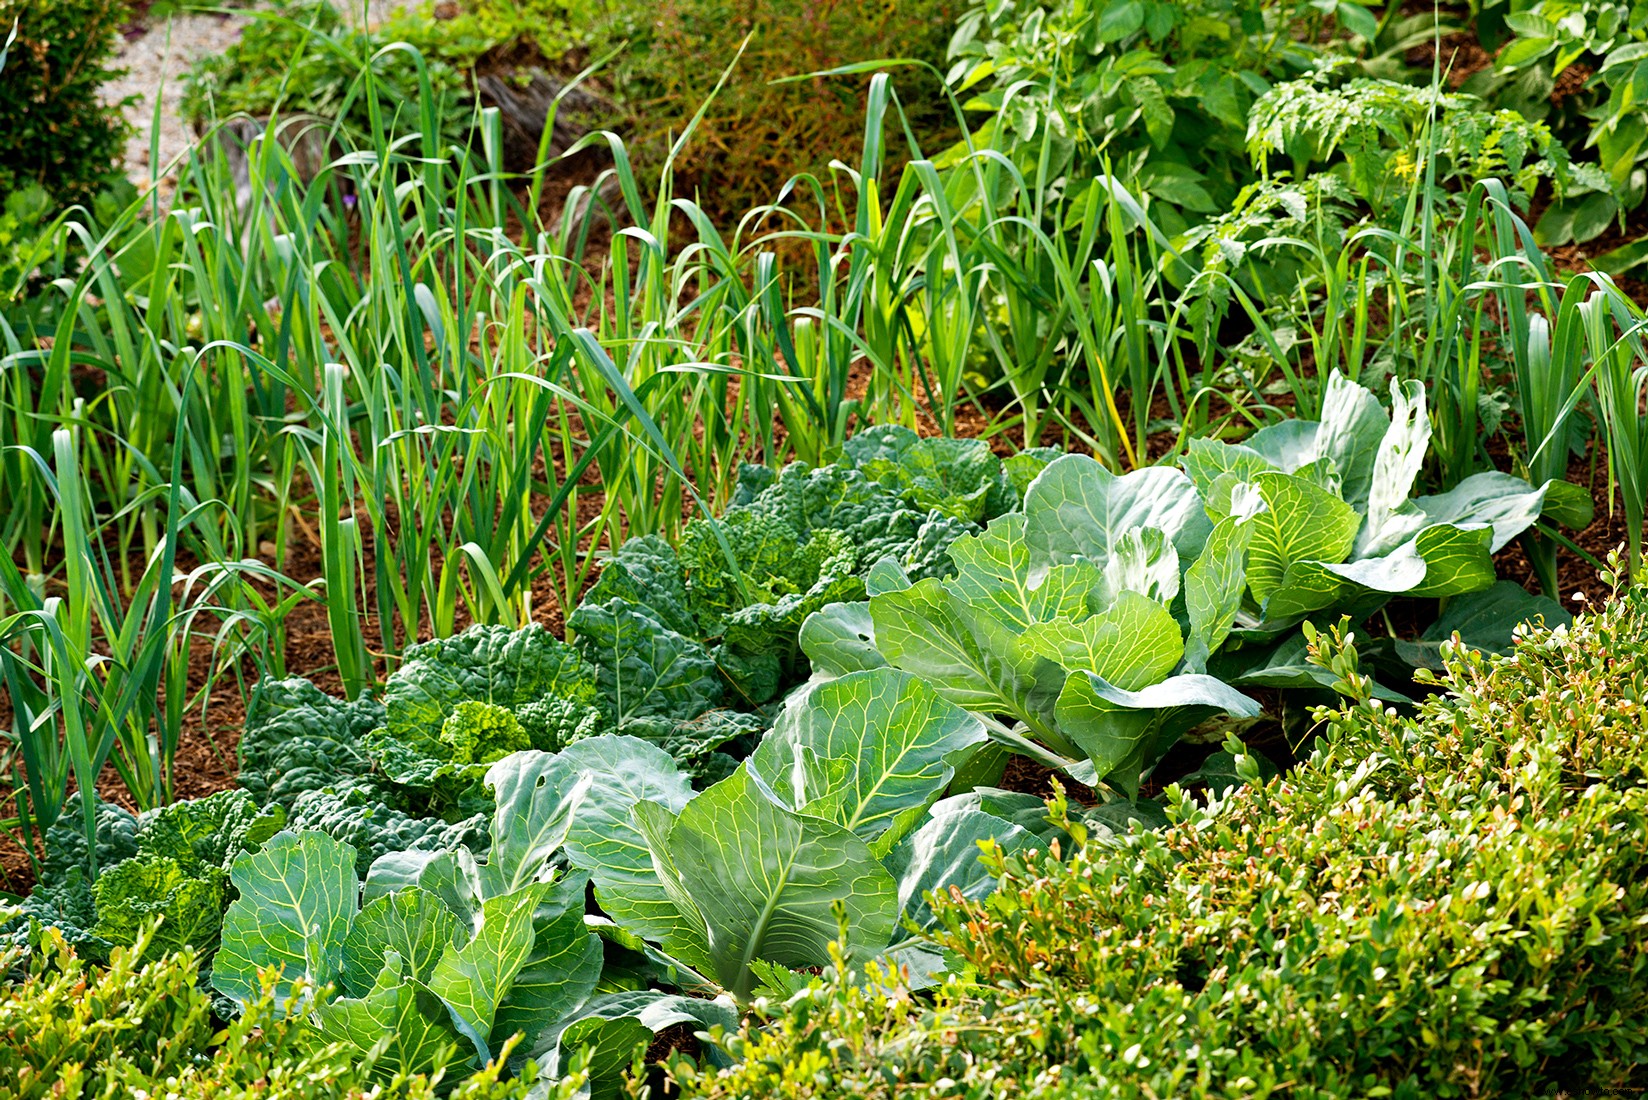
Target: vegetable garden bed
[{"x": 1076, "y": 601}]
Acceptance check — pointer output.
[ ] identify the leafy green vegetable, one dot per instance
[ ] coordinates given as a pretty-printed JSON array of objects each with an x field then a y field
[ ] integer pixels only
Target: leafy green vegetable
[
  {"x": 170, "y": 862},
  {"x": 488, "y": 664},
  {"x": 480, "y": 733},
  {"x": 751, "y": 871},
  {"x": 645, "y": 670},
  {"x": 62, "y": 896},
  {"x": 869, "y": 752},
  {"x": 457, "y": 704},
  {"x": 1337, "y": 529},
  {"x": 752, "y": 880},
  {"x": 707, "y": 747},
  {"x": 956, "y": 477},
  {"x": 1083, "y": 629},
  {"x": 943, "y": 856},
  {"x": 297, "y": 896},
  {"x": 613, "y": 1027},
  {"x": 801, "y": 539},
  {"x": 536, "y": 798},
  {"x": 624, "y": 772},
  {"x": 298, "y": 738},
  {"x": 1043, "y": 621},
  {"x": 179, "y": 870},
  {"x": 446, "y": 984},
  {"x": 374, "y": 828},
  {"x": 189, "y": 896}
]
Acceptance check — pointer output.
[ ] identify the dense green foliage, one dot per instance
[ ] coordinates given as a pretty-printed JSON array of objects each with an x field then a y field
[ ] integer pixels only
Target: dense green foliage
[
  {"x": 1060, "y": 620},
  {"x": 1264, "y": 277},
  {"x": 54, "y": 54},
  {"x": 1158, "y": 93},
  {"x": 1447, "y": 905},
  {"x": 1574, "y": 67},
  {"x": 308, "y": 59},
  {"x": 763, "y": 126},
  {"x": 791, "y": 543},
  {"x": 171, "y": 862},
  {"x": 70, "y": 1030},
  {"x": 839, "y": 814}
]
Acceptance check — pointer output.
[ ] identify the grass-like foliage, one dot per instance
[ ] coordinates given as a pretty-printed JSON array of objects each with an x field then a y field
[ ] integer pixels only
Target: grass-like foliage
[{"x": 1443, "y": 905}]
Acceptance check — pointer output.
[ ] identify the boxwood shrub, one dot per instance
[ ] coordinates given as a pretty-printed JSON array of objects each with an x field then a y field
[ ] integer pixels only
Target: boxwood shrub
[
  {"x": 1448, "y": 905},
  {"x": 70, "y": 1029},
  {"x": 58, "y": 133}
]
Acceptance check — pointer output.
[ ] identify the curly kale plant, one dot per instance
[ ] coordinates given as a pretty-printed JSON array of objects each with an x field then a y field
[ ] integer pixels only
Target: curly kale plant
[
  {"x": 170, "y": 863},
  {"x": 795, "y": 541}
]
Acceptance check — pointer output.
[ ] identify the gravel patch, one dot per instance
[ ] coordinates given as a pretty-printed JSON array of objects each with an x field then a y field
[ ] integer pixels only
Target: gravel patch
[
  {"x": 157, "y": 56},
  {"x": 155, "y": 62}
]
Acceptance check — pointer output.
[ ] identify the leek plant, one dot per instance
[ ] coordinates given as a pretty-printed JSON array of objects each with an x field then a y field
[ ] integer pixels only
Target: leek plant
[
  {"x": 1613, "y": 328},
  {"x": 97, "y": 669}
]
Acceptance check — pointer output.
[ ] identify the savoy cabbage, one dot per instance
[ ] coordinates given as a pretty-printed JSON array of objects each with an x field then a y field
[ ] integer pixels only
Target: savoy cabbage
[
  {"x": 457, "y": 704},
  {"x": 799, "y": 539},
  {"x": 171, "y": 862}
]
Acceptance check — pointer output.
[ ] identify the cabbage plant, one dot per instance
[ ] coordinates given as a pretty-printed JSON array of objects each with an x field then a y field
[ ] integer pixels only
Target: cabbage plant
[{"x": 1094, "y": 628}]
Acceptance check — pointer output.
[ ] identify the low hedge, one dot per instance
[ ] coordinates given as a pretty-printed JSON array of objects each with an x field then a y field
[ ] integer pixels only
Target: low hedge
[
  {"x": 1449, "y": 905},
  {"x": 70, "y": 1030},
  {"x": 58, "y": 134}
]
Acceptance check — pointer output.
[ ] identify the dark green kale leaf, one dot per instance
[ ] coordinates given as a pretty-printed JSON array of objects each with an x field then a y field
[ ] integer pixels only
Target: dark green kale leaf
[
  {"x": 298, "y": 739},
  {"x": 708, "y": 747},
  {"x": 374, "y": 829},
  {"x": 169, "y": 862},
  {"x": 180, "y": 870},
  {"x": 647, "y": 572},
  {"x": 485, "y": 664},
  {"x": 644, "y": 669}
]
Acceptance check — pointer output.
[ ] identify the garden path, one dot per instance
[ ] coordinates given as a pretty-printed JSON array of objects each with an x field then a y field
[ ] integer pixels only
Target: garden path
[{"x": 156, "y": 54}]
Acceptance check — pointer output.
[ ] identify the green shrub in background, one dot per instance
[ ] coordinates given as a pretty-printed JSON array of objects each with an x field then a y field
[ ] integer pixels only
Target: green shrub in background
[
  {"x": 1373, "y": 133},
  {"x": 1161, "y": 91},
  {"x": 1579, "y": 66},
  {"x": 57, "y": 132},
  {"x": 1446, "y": 906},
  {"x": 757, "y": 133},
  {"x": 305, "y": 56},
  {"x": 24, "y": 214},
  {"x": 71, "y": 1030}
]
